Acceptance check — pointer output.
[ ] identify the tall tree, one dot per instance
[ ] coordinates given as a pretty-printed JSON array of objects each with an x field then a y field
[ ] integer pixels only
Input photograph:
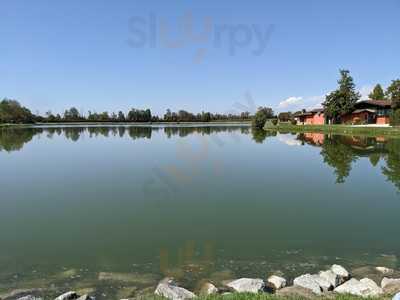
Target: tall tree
[
  {"x": 121, "y": 117},
  {"x": 12, "y": 112},
  {"x": 393, "y": 93},
  {"x": 261, "y": 116},
  {"x": 377, "y": 93},
  {"x": 342, "y": 100}
]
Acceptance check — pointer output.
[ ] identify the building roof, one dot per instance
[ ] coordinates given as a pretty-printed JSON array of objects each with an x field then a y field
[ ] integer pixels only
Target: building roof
[
  {"x": 318, "y": 110},
  {"x": 379, "y": 103},
  {"x": 364, "y": 109},
  {"x": 310, "y": 113}
]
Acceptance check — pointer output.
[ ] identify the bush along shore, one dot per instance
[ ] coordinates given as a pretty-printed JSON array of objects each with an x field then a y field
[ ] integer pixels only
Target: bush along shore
[
  {"x": 334, "y": 283},
  {"x": 335, "y": 129}
]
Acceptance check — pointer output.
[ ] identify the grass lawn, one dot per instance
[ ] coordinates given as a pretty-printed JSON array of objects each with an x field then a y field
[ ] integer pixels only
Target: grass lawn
[{"x": 339, "y": 129}]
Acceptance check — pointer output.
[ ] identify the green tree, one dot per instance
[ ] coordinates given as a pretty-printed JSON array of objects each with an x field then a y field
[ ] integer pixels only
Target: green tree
[
  {"x": 72, "y": 115},
  {"x": 342, "y": 100},
  {"x": 11, "y": 111},
  {"x": 121, "y": 117},
  {"x": 377, "y": 93},
  {"x": 261, "y": 116},
  {"x": 393, "y": 94}
]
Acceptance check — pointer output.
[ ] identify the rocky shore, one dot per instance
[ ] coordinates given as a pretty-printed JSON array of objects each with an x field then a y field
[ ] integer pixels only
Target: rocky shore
[{"x": 327, "y": 283}]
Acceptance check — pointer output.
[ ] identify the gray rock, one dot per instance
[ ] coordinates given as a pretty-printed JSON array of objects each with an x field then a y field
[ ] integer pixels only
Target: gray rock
[
  {"x": 247, "y": 285},
  {"x": 208, "y": 289},
  {"x": 375, "y": 289},
  {"x": 29, "y": 297},
  {"x": 390, "y": 286},
  {"x": 364, "y": 288},
  {"x": 276, "y": 282},
  {"x": 386, "y": 281},
  {"x": 295, "y": 292},
  {"x": 384, "y": 270},
  {"x": 396, "y": 297},
  {"x": 308, "y": 281},
  {"x": 19, "y": 293},
  {"x": 323, "y": 283},
  {"x": 86, "y": 297},
  {"x": 68, "y": 296},
  {"x": 331, "y": 277},
  {"x": 168, "y": 289},
  {"x": 343, "y": 274}
]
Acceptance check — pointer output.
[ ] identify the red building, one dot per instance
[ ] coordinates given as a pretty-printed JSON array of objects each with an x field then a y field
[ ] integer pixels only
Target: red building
[
  {"x": 369, "y": 112},
  {"x": 313, "y": 117}
]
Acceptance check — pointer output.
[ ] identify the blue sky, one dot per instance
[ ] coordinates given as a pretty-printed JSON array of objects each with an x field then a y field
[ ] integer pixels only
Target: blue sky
[{"x": 108, "y": 55}]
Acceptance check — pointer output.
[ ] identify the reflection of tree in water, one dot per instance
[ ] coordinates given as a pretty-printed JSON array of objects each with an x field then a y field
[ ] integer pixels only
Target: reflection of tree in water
[
  {"x": 392, "y": 168},
  {"x": 259, "y": 135},
  {"x": 73, "y": 133},
  {"x": 14, "y": 139},
  {"x": 340, "y": 152},
  {"x": 140, "y": 132},
  {"x": 338, "y": 155},
  {"x": 183, "y": 131}
]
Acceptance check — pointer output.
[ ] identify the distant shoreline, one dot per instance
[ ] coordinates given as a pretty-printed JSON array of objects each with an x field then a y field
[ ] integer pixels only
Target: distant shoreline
[{"x": 127, "y": 123}]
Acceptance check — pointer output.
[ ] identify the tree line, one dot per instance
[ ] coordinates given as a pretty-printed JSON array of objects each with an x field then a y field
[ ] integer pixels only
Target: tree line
[{"x": 12, "y": 112}]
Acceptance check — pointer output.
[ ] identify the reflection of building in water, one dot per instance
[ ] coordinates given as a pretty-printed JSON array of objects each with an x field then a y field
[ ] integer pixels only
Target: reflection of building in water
[{"x": 315, "y": 138}]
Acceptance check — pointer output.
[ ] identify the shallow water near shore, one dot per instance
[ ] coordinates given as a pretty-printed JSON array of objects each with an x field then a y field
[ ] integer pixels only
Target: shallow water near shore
[{"x": 117, "y": 208}]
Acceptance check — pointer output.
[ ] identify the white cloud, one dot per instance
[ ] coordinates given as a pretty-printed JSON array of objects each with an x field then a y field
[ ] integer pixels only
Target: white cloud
[
  {"x": 297, "y": 103},
  {"x": 289, "y": 140},
  {"x": 290, "y": 102}
]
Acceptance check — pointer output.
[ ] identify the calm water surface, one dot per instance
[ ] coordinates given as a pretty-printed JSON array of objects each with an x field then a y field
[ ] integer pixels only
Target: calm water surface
[{"x": 193, "y": 202}]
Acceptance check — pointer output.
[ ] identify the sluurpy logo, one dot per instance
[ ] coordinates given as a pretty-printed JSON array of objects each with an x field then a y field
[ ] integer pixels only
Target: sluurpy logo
[{"x": 155, "y": 31}]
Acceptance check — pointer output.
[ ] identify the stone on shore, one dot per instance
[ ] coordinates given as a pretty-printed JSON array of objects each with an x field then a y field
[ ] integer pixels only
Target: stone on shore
[
  {"x": 375, "y": 289},
  {"x": 364, "y": 288},
  {"x": 343, "y": 274},
  {"x": 386, "y": 281},
  {"x": 295, "y": 292},
  {"x": 390, "y": 285},
  {"x": 168, "y": 289},
  {"x": 308, "y": 281},
  {"x": 331, "y": 277},
  {"x": 86, "y": 297},
  {"x": 68, "y": 296},
  {"x": 276, "y": 282},
  {"x": 384, "y": 270},
  {"x": 208, "y": 289},
  {"x": 29, "y": 297},
  {"x": 247, "y": 285},
  {"x": 323, "y": 283},
  {"x": 19, "y": 293}
]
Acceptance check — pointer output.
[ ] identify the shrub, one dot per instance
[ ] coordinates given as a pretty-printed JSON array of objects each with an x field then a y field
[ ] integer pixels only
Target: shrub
[
  {"x": 274, "y": 122},
  {"x": 395, "y": 118},
  {"x": 293, "y": 122},
  {"x": 357, "y": 121},
  {"x": 261, "y": 117}
]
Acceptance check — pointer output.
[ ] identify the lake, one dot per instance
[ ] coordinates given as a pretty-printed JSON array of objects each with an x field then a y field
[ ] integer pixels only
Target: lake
[{"x": 79, "y": 205}]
